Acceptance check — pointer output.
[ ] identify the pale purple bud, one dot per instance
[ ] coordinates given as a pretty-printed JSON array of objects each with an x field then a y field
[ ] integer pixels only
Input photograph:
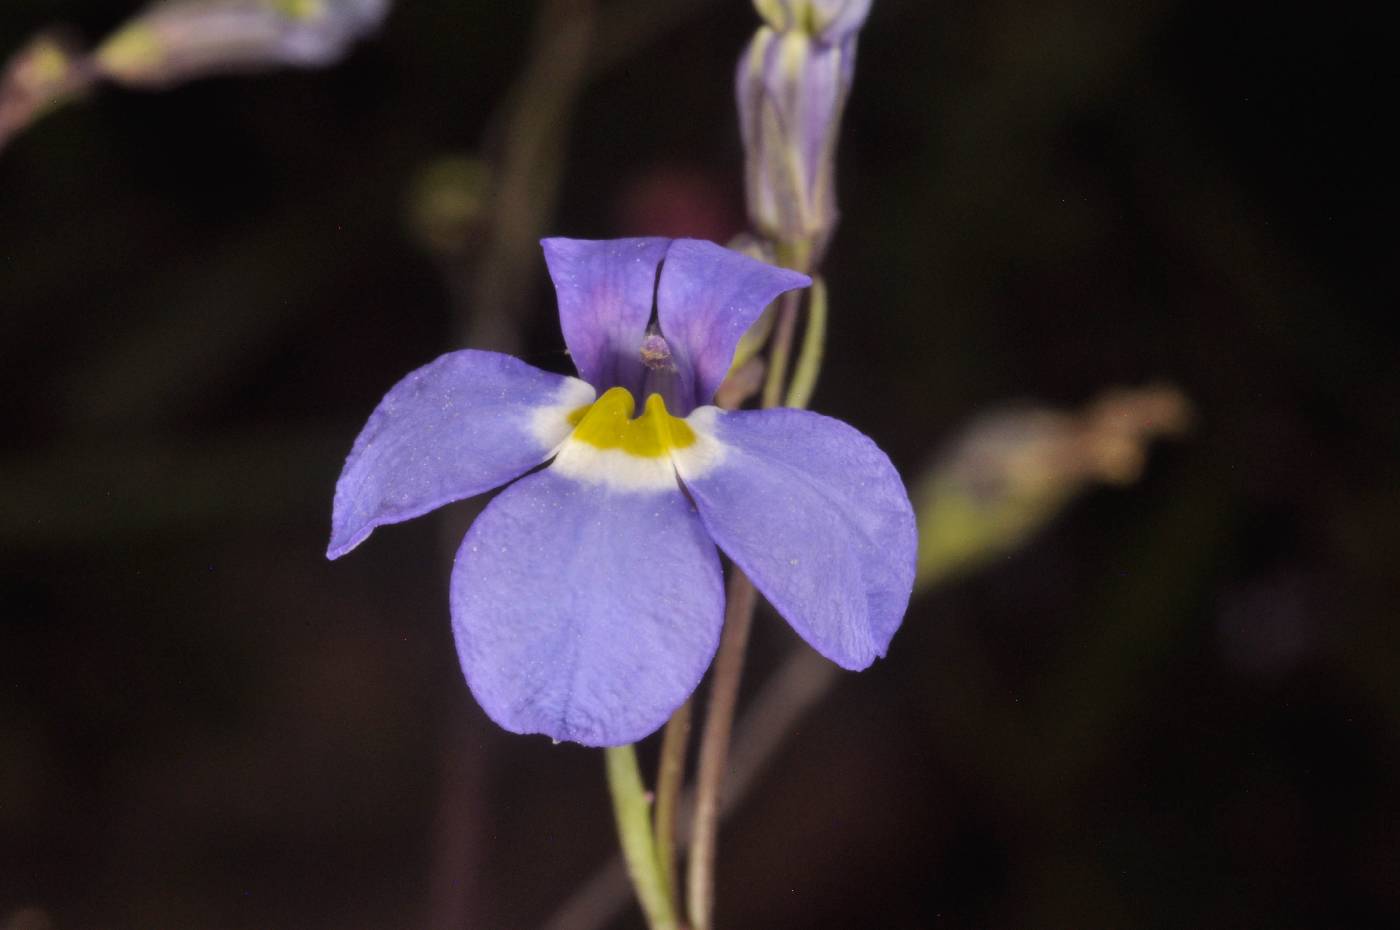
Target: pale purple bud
[
  {"x": 177, "y": 41},
  {"x": 792, "y": 87}
]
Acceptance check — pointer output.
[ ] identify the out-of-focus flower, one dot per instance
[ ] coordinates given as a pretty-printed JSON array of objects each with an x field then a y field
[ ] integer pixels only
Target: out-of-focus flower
[
  {"x": 1011, "y": 472},
  {"x": 587, "y": 598},
  {"x": 180, "y": 40},
  {"x": 448, "y": 204},
  {"x": 44, "y": 74},
  {"x": 792, "y": 84}
]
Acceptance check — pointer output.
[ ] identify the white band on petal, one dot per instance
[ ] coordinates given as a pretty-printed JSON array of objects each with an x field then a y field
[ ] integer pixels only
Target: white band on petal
[
  {"x": 707, "y": 452},
  {"x": 622, "y": 471},
  {"x": 615, "y": 469},
  {"x": 550, "y": 425}
]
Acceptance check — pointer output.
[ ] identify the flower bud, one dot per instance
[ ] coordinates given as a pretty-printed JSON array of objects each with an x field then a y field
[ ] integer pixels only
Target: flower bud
[
  {"x": 791, "y": 85},
  {"x": 174, "y": 42}
]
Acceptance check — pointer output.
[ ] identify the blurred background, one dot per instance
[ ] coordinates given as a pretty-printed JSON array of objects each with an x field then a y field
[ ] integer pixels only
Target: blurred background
[{"x": 1174, "y": 704}]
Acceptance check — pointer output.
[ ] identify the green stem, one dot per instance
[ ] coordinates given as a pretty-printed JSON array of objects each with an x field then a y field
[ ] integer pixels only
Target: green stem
[
  {"x": 797, "y": 255},
  {"x": 669, "y": 778},
  {"x": 781, "y": 349},
  {"x": 809, "y": 360},
  {"x": 632, "y": 810}
]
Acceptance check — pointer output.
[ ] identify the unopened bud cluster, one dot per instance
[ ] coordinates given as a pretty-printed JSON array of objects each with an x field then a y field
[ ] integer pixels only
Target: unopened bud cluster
[
  {"x": 1011, "y": 471},
  {"x": 174, "y": 42},
  {"x": 792, "y": 84}
]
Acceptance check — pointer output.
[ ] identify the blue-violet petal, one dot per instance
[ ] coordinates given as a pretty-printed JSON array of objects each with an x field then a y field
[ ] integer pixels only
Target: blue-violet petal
[
  {"x": 463, "y": 424},
  {"x": 707, "y": 298},
  {"x": 583, "y": 612},
  {"x": 605, "y": 289},
  {"x": 816, "y": 516}
]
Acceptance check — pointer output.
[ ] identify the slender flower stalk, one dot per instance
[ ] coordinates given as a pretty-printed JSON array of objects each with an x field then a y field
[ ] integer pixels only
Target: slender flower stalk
[
  {"x": 780, "y": 352},
  {"x": 809, "y": 360},
  {"x": 670, "y": 778},
  {"x": 714, "y": 750},
  {"x": 632, "y": 812}
]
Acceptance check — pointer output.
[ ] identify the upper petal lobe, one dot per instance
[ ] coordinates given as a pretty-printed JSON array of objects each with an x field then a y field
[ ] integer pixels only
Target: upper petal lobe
[
  {"x": 585, "y": 612},
  {"x": 605, "y": 289},
  {"x": 815, "y": 515},
  {"x": 707, "y": 298},
  {"x": 463, "y": 424}
]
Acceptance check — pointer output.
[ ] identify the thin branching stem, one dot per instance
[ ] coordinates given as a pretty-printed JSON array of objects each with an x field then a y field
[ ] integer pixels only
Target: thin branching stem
[
  {"x": 809, "y": 360},
  {"x": 670, "y": 777},
  {"x": 796, "y": 255},
  {"x": 781, "y": 351},
  {"x": 714, "y": 749}
]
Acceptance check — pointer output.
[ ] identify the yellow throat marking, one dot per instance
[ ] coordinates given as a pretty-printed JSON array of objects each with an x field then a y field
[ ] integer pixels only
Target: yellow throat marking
[{"x": 607, "y": 424}]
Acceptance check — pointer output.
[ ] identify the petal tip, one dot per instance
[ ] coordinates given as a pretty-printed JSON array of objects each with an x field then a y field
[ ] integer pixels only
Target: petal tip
[
  {"x": 850, "y": 660},
  {"x": 341, "y": 544},
  {"x": 594, "y": 733}
]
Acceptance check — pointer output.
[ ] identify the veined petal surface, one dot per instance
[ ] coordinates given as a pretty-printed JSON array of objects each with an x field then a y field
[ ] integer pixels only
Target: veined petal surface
[
  {"x": 605, "y": 289},
  {"x": 463, "y": 424},
  {"x": 707, "y": 298},
  {"x": 583, "y": 612},
  {"x": 815, "y": 515}
]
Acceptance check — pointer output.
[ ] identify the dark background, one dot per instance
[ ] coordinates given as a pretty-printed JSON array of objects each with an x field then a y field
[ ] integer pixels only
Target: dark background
[{"x": 1177, "y": 707}]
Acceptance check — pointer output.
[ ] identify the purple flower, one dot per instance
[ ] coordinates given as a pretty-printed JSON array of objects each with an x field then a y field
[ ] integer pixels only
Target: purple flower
[{"x": 587, "y": 597}]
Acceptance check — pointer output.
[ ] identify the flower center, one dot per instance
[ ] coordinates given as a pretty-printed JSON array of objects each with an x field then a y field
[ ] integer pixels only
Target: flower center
[{"x": 608, "y": 424}]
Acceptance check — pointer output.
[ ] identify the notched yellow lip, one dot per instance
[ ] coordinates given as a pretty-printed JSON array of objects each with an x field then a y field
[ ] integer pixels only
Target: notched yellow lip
[{"x": 607, "y": 423}]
